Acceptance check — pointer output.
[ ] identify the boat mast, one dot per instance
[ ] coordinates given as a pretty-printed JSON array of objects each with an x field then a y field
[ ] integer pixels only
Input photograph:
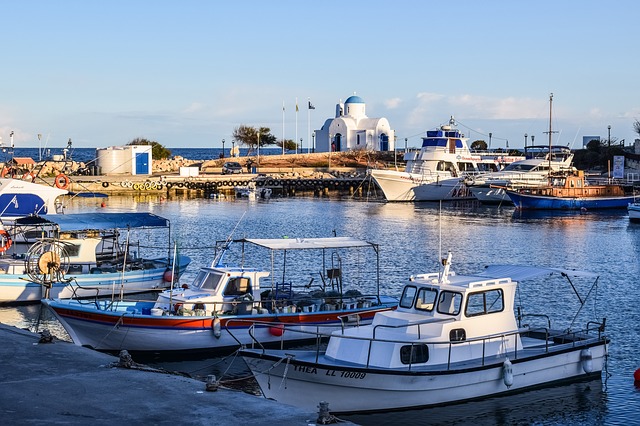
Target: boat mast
[{"x": 550, "y": 131}]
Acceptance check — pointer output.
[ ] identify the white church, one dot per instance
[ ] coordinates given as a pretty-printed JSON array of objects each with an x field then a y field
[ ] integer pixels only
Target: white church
[{"x": 351, "y": 129}]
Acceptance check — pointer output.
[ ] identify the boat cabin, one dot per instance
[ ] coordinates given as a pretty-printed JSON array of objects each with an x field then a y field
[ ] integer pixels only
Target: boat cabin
[
  {"x": 217, "y": 291},
  {"x": 441, "y": 319},
  {"x": 575, "y": 185}
]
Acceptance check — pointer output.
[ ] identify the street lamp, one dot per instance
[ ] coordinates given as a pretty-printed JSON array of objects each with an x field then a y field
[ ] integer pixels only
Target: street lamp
[
  {"x": 405, "y": 145},
  {"x": 222, "y": 148},
  {"x": 300, "y": 146},
  {"x": 490, "y": 134},
  {"x": 233, "y": 148},
  {"x": 313, "y": 142},
  {"x": 525, "y": 144},
  {"x": 330, "y": 148},
  {"x": 609, "y": 140}
]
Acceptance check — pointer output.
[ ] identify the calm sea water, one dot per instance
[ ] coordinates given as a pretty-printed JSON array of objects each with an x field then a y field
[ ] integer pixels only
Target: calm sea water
[
  {"x": 411, "y": 237},
  {"x": 88, "y": 154}
]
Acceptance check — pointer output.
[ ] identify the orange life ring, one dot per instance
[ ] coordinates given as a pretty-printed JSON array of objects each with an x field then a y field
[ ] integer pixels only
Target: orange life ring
[
  {"x": 62, "y": 181},
  {"x": 5, "y": 172},
  {"x": 4, "y": 236}
]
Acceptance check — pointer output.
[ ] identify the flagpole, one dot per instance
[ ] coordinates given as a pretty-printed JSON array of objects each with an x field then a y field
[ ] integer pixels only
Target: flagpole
[
  {"x": 282, "y": 127},
  {"x": 296, "y": 139},
  {"x": 308, "y": 124}
]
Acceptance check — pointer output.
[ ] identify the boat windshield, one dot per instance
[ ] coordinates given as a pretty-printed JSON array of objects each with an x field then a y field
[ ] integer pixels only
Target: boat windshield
[
  {"x": 207, "y": 280},
  {"x": 515, "y": 167}
]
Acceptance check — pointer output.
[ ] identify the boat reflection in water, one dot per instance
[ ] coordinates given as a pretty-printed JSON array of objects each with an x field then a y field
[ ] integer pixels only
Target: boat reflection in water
[{"x": 582, "y": 402}]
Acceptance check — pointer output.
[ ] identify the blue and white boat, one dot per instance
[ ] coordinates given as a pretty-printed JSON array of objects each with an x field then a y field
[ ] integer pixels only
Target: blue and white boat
[
  {"x": 83, "y": 255},
  {"x": 22, "y": 198},
  {"x": 572, "y": 192},
  {"x": 438, "y": 170}
]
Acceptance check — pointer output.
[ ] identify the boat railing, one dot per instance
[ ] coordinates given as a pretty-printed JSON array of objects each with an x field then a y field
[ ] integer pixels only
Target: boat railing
[{"x": 550, "y": 340}]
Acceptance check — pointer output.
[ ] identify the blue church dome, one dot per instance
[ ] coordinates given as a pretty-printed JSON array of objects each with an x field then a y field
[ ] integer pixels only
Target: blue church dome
[{"x": 354, "y": 100}]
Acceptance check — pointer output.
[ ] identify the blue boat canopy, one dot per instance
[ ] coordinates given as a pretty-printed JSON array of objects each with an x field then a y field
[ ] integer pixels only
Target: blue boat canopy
[{"x": 98, "y": 221}]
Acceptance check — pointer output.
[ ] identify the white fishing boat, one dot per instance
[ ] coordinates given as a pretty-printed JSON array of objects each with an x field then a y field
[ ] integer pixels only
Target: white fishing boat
[
  {"x": 437, "y": 171},
  {"x": 634, "y": 211},
  {"x": 81, "y": 255},
  {"x": 453, "y": 338},
  {"x": 489, "y": 188},
  {"x": 227, "y": 306},
  {"x": 252, "y": 192}
]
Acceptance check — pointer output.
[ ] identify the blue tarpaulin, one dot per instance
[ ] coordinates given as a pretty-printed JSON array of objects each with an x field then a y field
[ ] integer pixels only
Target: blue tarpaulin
[{"x": 98, "y": 221}]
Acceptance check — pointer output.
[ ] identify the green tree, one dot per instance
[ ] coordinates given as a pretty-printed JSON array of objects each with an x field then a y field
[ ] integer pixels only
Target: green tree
[
  {"x": 289, "y": 144},
  {"x": 636, "y": 127},
  {"x": 248, "y": 136},
  {"x": 479, "y": 145},
  {"x": 158, "y": 152}
]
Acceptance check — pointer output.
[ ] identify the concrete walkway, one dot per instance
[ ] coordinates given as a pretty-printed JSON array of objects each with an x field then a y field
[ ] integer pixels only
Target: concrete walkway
[{"x": 60, "y": 383}]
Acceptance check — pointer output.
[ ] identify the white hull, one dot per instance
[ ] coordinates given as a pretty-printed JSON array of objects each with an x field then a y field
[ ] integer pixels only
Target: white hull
[
  {"x": 127, "y": 329},
  {"x": 634, "y": 212},
  {"x": 358, "y": 389},
  {"x": 488, "y": 195},
  {"x": 403, "y": 186}
]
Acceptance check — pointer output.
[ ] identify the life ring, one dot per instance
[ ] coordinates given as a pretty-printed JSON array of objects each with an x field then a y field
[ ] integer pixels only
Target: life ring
[
  {"x": 105, "y": 184},
  {"x": 6, "y": 238},
  {"x": 29, "y": 176},
  {"x": 4, "y": 172},
  {"x": 62, "y": 181}
]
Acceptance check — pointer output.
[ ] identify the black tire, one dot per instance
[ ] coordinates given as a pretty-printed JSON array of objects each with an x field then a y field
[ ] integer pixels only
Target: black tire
[{"x": 105, "y": 184}]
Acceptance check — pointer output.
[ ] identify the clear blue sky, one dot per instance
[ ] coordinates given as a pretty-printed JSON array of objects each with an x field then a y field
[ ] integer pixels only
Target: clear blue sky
[{"x": 186, "y": 73}]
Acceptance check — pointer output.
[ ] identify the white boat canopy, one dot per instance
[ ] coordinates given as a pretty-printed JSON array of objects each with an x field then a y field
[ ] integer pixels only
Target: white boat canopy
[
  {"x": 520, "y": 273},
  {"x": 309, "y": 243}
]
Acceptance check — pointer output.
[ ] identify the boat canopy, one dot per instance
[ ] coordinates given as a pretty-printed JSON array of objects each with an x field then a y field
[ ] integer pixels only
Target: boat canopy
[
  {"x": 98, "y": 221},
  {"x": 308, "y": 243},
  {"x": 520, "y": 273}
]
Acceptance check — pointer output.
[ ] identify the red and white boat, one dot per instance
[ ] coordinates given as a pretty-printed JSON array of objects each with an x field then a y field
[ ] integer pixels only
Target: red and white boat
[{"x": 229, "y": 306}]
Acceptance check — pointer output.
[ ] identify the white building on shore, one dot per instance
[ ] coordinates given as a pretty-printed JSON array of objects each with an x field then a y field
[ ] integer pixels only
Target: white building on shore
[{"x": 351, "y": 129}]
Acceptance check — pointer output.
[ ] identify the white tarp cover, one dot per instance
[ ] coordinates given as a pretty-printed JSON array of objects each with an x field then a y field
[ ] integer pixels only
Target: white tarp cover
[
  {"x": 309, "y": 243},
  {"x": 520, "y": 273}
]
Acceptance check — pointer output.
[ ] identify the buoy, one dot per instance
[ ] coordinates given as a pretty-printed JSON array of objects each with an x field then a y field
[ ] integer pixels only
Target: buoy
[
  {"x": 507, "y": 373},
  {"x": 168, "y": 276},
  {"x": 215, "y": 326},
  {"x": 103, "y": 204},
  {"x": 587, "y": 360},
  {"x": 276, "y": 330},
  {"x": 636, "y": 375}
]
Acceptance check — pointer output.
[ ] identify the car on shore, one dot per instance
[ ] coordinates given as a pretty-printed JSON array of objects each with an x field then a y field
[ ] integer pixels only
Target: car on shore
[{"x": 231, "y": 167}]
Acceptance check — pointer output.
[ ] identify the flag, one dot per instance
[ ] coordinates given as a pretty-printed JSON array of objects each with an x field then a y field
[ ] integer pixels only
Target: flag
[
  {"x": 311, "y": 105},
  {"x": 297, "y": 107}
]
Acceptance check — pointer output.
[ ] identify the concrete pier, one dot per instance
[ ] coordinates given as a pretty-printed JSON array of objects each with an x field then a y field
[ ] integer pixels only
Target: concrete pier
[{"x": 60, "y": 383}]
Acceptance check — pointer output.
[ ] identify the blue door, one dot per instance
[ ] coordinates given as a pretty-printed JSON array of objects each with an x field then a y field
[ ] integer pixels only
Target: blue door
[
  {"x": 384, "y": 142},
  {"x": 142, "y": 163}
]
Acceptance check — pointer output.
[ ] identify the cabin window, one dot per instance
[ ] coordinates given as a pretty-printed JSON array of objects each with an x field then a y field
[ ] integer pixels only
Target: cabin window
[
  {"x": 237, "y": 287},
  {"x": 207, "y": 281},
  {"x": 484, "y": 302},
  {"x": 408, "y": 294},
  {"x": 414, "y": 354},
  {"x": 426, "y": 299},
  {"x": 457, "y": 335},
  {"x": 71, "y": 250},
  {"x": 449, "y": 303}
]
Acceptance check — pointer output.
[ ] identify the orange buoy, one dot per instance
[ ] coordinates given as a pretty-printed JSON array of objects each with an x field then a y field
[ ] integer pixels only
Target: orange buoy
[
  {"x": 6, "y": 241},
  {"x": 276, "y": 330},
  {"x": 168, "y": 276},
  {"x": 636, "y": 375}
]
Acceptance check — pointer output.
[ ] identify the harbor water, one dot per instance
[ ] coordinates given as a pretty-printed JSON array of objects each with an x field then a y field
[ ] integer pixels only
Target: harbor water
[{"x": 413, "y": 238}]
